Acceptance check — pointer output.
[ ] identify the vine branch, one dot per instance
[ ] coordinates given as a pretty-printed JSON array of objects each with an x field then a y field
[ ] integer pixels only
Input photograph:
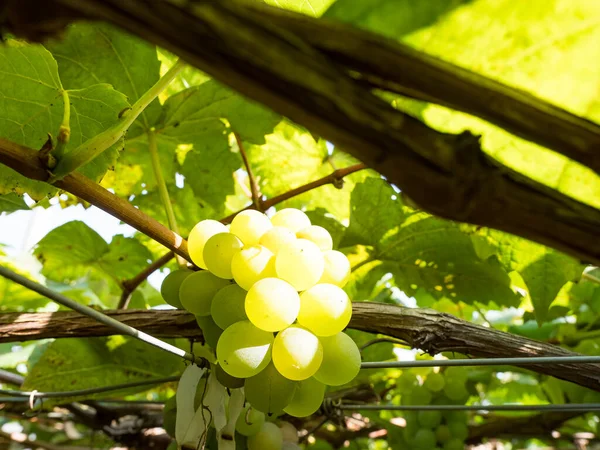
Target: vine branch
[{"x": 256, "y": 197}]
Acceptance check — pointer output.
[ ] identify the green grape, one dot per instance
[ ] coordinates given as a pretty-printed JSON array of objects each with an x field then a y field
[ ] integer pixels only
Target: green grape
[
  {"x": 244, "y": 350},
  {"x": 300, "y": 263},
  {"x": 227, "y": 306},
  {"x": 318, "y": 235},
  {"x": 456, "y": 416},
  {"x": 210, "y": 330},
  {"x": 197, "y": 291},
  {"x": 442, "y": 433},
  {"x": 455, "y": 390},
  {"x": 289, "y": 431},
  {"x": 201, "y": 233},
  {"x": 291, "y": 218},
  {"x": 307, "y": 398},
  {"x": 434, "y": 382},
  {"x": 424, "y": 439},
  {"x": 454, "y": 444},
  {"x": 277, "y": 238},
  {"x": 252, "y": 264},
  {"x": 269, "y": 391},
  {"x": 457, "y": 374},
  {"x": 268, "y": 438},
  {"x": 170, "y": 415},
  {"x": 336, "y": 269},
  {"x": 417, "y": 396},
  {"x": 459, "y": 430},
  {"x": 169, "y": 289},
  {"x": 227, "y": 380},
  {"x": 249, "y": 226},
  {"x": 341, "y": 360},
  {"x": 218, "y": 253},
  {"x": 272, "y": 304},
  {"x": 287, "y": 445},
  {"x": 407, "y": 382},
  {"x": 297, "y": 353},
  {"x": 325, "y": 309},
  {"x": 250, "y": 421},
  {"x": 429, "y": 419}
]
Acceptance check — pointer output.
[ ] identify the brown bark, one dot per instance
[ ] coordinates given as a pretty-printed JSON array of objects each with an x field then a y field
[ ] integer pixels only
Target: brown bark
[
  {"x": 447, "y": 175},
  {"x": 425, "y": 329}
]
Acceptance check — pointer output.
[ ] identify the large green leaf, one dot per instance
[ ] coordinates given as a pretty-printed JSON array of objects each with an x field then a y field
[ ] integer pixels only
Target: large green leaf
[
  {"x": 12, "y": 202},
  {"x": 74, "y": 251},
  {"x": 308, "y": 7},
  {"x": 92, "y": 53},
  {"x": 421, "y": 251},
  {"x": 76, "y": 363}
]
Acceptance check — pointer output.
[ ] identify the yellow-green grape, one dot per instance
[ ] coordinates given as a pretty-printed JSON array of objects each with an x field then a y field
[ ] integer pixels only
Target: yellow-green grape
[
  {"x": 227, "y": 306},
  {"x": 170, "y": 415},
  {"x": 454, "y": 444},
  {"x": 272, "y": 304},
  {"x": 269, "y": 391},
  {"x": 307, "y": 398},
  {"x": 434, "y": 382},
  {"x": 341, "y": 360},
  {"x": 249, "y": 421},
  {"x": 424, "y": 439},
  {"x": 197, "y": 291},
  {"x": 218, "y": 253},
  {"x": 300, "y": 263},
  {"x": 325, "y": 309},
  {"x": 210, "y": 330},
  {"x": 277, "y": 238},
  {"x": 201, "y": 233},
  {"x": 290, "y": 218},
  {"x": 459, "y": 430},
  {"x": 227, "y": 380},
  {"x": 244, "y": 350},
  {"x": 289, "y": 431},
  {"x": 249, "y": 226},
  {"x": 337, "y": 268},
  {"x": 169, "y": 289},
  {"x": 318, "y": 235},
  {"x": 297, "y": 353},
  {"x": 429, "y": 419},
  {"x": 268, "y": 438},
  {"x": 251, "y": 264},
  {"x": 442, "y": 433}
]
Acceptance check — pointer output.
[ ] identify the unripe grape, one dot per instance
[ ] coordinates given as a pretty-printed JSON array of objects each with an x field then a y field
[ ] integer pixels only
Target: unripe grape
[
  {"x": 307, "y": 398},
  {"x": 210, "y": 330},
  {"x": 227, "y": 380},
  {"x": 325, "y": 309},
  {"x": 429, "y": 419},
  {"x": 228, "y": 306},
  {"x": 319, "y": 235},
  {"x": 169, "y": 289},
  {"x": 454, "y": 444},
  {"x": 251, "y": 264},
  {"x": 290, "y": 446},
  {"x": 198, "y": 290},
  {"x": 201, "y": 233},
  {"x": 341, "y": 360},
  {"x": 249, "y": 421},
  {"x": 272, "y": 304},
  {"x": 300, "y": 263},
  {"x": 297, "y": 353},
  {"x": 218, "y": 253},
  {"x": 336, "y": 269},
  {"x": 459, "y": 430},
  {"x": 268, "y": 438},
  {"x": 424, "y": 439},
  {"x": 277, "y": 238},
  {"x": 434, "y": 382},
  {"x": 244, "y": 350},
  {"x": 442, "y": 433},
  {"x": 289, "y": 431},
  {"x": 249, "y": 226},
  {"x": 291, "y": 218},
  {"x": 269, "y": 391}
]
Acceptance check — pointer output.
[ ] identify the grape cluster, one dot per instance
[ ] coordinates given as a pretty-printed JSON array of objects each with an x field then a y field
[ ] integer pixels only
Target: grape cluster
[
  {"x": 270, "y": 301},
  {"x": 432, "y": 430}
]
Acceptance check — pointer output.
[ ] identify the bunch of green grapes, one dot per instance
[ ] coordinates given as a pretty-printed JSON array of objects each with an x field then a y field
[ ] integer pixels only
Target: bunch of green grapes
[
  {"x": 431, "y": 430},
  {"x": 270, "y": 302}
]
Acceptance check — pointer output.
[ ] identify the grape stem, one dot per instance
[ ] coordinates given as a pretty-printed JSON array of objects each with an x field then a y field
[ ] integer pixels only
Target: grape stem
[{"x": 254, "y": 189}]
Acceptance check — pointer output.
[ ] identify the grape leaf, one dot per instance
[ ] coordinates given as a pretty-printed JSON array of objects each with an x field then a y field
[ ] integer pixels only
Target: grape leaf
[
  {"x": 12, "y": 202},
  {"x": 309, "y": 7},
  {"x": 92, "y": 53},
  {"x": 75, "y": 363},
  {"x": 423, "y": 251}
]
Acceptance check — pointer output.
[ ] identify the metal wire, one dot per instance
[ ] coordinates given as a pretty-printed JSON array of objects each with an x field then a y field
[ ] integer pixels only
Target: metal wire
[
  {"x": 533, "y": 360},
  {"x": 90, "y": 391},
  {"x": 97, "y": 315},
  {"x": 575, "y": 407}
]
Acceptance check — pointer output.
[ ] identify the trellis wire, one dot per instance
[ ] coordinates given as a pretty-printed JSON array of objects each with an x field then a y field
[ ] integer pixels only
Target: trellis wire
[
  {"x": 527, "y": 361},
  {"x": 98, "y": 316},
  {"x": 574, "y": 407}
]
